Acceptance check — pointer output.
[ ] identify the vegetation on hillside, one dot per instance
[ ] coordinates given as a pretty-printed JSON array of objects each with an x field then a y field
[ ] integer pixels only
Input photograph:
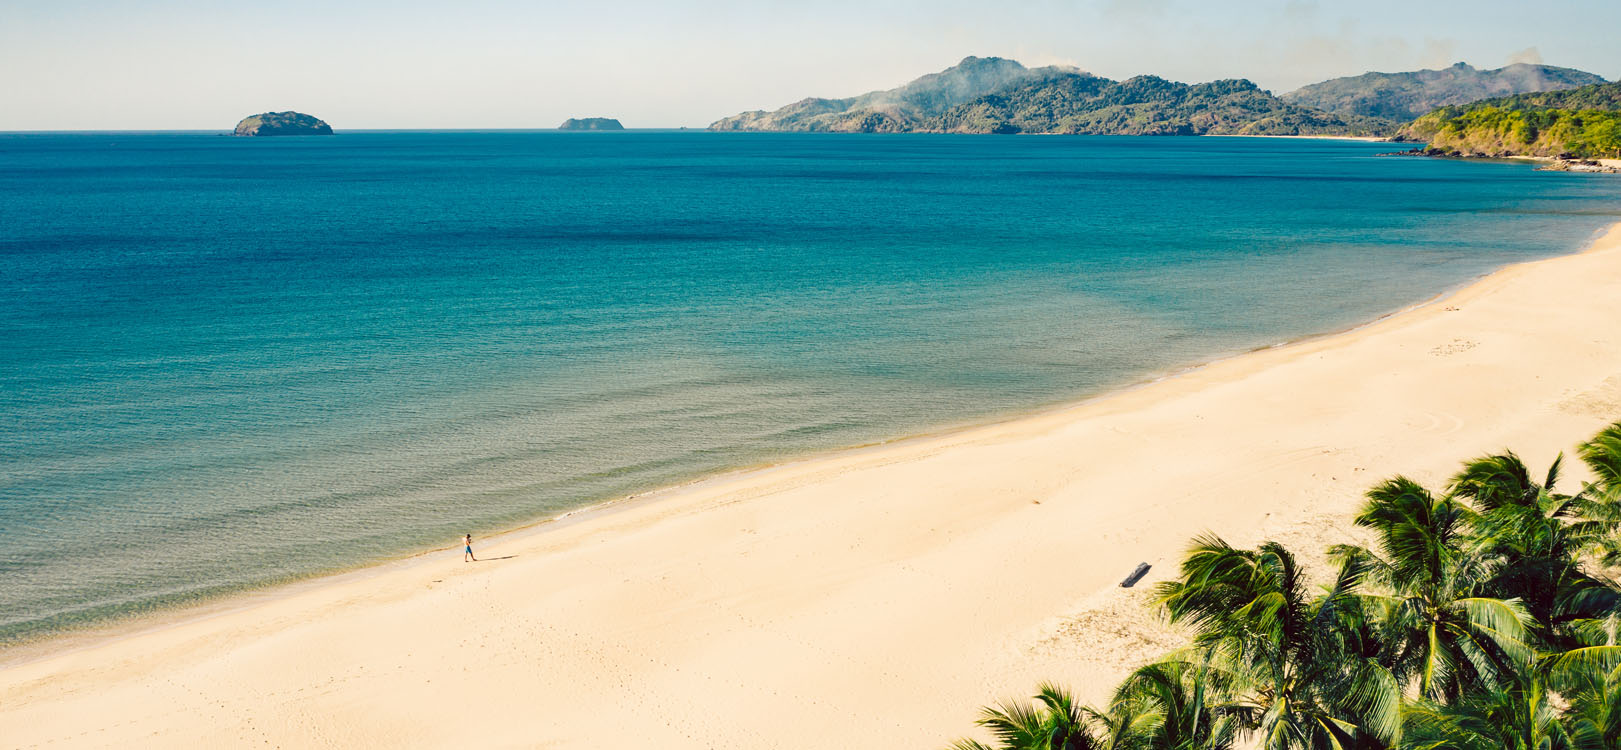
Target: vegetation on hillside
[
  {"x": 1481, "y": 617},
  {"x": 282, "y": 123},
  {"x": 1144, "y": 105},
  {"x": 1400, "y": 97},
  {"x": 899, "y": 109},
  {"x": 993, "y": 95},
  {"x": 591, "y": 123},
  {"x": 1582, "y": 123}
]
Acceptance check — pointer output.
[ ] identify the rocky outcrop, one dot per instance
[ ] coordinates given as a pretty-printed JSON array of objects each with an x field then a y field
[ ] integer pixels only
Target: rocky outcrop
[
  {"x": 1600, "y": 166},
  {"x": 591, "y": 123},
  {"x": 282, "y": 123}
]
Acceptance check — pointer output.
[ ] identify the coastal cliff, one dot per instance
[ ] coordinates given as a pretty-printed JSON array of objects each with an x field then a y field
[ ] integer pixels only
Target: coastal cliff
[{"x": 282, "y": 123}]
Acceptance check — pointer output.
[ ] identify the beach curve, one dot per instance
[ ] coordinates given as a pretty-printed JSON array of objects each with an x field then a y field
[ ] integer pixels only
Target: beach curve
[{"x": 868, "y": 598}]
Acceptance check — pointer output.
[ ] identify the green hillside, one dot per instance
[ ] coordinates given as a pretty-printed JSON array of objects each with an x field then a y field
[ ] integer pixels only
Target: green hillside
[
  {"x": 899, "y": 109},
  {"x": 1145, "y": 105},
  {"x": 1403, "y": 96},
  {"x": 1581, "y": 123},
  {"x": 994, "y": 95}
]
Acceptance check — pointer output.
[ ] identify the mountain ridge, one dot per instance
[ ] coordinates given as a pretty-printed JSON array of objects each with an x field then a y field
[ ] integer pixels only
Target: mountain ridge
[
  {"x": 898, "y": 109},
  {"x": 1144, "y": 105},
  {"x": 1407, "y": 95},
  {"x": 997, "y": 95}
]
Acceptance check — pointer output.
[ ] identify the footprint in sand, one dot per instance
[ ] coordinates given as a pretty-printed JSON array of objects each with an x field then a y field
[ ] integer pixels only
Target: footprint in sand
[{"x": 1456, "y": 346}]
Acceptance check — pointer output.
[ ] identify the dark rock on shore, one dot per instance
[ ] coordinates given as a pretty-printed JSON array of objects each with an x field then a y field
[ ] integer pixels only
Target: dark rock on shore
[
  {"x": 1562, "y": 163},
  {"x": 591, "y": 123},
  {"x": 282, "y": 123}
]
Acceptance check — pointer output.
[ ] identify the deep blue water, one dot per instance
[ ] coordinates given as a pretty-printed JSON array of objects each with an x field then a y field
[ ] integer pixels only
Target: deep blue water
[{"x": 230, "y": 362}]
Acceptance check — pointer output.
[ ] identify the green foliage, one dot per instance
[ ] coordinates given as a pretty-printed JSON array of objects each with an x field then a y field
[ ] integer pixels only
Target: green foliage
[
  {"x": 591, "y": 123},
  {"x": 900, "y": 109},
  {"x": 1472, "y": 621},
  {"x": 1404, "y": 96},
  {"x": 1056, "y": 722},
  {"x": 282, "y": 123},
  {"x": 1145, "y": 105},
  {"x": 1584, "y": 122},
  {"x": 992, "y": 95}
]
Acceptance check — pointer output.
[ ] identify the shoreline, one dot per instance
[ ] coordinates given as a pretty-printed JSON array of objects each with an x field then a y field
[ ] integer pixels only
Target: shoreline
[
  {"x": 67, "y": 641},
  {"x": 1545, "y": 163},
  {"x": 996, "y": 472},
  {"x": 1360, "y": 138}
]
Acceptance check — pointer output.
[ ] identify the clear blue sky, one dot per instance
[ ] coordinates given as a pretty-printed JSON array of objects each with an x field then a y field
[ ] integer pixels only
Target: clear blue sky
[{"x": 190, "y": 64}]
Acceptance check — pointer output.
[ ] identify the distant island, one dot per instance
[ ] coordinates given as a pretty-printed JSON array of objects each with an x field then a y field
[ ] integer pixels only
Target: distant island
[
  {"x": 282, "y": 123},
  {"x": 1573, "y": 124},
  {"x": 997, "y": 95},
  {"x": 591, "y": 123}
]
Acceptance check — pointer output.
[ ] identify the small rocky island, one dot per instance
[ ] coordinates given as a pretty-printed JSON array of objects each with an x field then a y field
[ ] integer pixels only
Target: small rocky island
[
  {"x": 591, "y": 123},
  {"x": 282, "y": 123}
]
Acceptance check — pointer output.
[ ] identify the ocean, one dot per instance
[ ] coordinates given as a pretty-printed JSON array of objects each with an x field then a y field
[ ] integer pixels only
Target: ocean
[{"x": 227, "y": 363}]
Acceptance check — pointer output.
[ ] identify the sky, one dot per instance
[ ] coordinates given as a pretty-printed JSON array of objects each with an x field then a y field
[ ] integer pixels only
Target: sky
[{"x": 189, "y": 64}]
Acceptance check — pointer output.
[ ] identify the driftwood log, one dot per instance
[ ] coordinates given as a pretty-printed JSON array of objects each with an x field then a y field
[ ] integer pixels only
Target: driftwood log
[{"x": 1136, "y": 575}]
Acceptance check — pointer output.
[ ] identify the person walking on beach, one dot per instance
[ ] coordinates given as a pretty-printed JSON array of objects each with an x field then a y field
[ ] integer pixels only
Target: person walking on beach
[{"x": 467, "y": 542}]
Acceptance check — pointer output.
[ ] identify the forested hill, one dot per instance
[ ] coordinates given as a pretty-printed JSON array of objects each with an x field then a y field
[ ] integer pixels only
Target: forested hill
[
  {"x": 1144, "y": 105},
  {"x": 1403, "y": 96},
  {"x": 900, "y": 109},
  {"x": 994, "y": 95},
  {"x": 1583, "y": 123}
]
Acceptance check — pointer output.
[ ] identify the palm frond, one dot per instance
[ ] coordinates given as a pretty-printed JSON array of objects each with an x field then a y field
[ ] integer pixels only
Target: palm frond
[{"x": 1602, "y": 455}]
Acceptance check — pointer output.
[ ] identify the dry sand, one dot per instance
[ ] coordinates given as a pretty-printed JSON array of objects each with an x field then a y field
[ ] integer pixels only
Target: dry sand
[
  {"x": 1363, "y": 138},
  {"x": 872, "y": 599}
]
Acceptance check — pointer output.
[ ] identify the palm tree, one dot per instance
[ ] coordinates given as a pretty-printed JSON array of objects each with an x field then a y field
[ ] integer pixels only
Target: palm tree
[
  {"x": 1535, "y": 536},
  {"x": 1515, "y": 716},
  {"x": 1056, "y": 722},
  {"x": 1181, "y": 699},
  {"x": 1589, "y": 680},
  {"x": 1593, "y": 717},
  {"x": 1436, "y": 630},
  {"x": 1280, "y": 660},
  {"x": 1602, "y": 454},
  {"x": 1471, "y": 622}
]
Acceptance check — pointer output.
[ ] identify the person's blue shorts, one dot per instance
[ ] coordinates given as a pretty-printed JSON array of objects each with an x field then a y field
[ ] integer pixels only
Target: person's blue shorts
[{"x": 469, "y": 550}]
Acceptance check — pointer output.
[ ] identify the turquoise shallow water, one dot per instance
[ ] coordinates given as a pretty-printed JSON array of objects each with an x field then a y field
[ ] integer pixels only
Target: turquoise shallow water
[{"x": 232, "y": 362}]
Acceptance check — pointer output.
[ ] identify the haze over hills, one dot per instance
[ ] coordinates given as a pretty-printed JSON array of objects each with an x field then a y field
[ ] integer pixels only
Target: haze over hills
[
  {"x": 1404, "y": 96},
  {"x": 996, "y": 95},
  {"x": 1144, "y": 105},
  {"x": 901, "y": 109}
]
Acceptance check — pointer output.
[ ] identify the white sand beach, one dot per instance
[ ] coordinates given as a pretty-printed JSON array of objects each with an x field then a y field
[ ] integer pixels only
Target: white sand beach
[{"x": 870, "y": 599}]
